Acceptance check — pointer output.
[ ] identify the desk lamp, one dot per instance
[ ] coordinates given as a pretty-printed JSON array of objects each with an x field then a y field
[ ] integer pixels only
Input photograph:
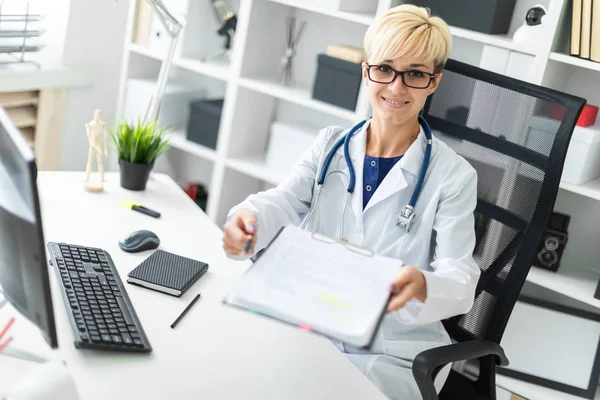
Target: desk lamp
[{"x": 173, "y": 28}]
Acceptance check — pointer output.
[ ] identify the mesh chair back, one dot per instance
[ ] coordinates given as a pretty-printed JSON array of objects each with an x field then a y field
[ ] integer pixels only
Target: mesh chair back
[{"x": 516, "y": 136}]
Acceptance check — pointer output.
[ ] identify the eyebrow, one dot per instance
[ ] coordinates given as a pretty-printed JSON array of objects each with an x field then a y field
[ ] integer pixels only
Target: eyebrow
[{"x": 411, "y": 65}]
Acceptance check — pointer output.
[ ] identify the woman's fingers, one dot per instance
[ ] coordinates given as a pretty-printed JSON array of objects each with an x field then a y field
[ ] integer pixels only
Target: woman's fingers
[
  {"x": 238, "y": 231},
  {"x": 405, "y": 294}
]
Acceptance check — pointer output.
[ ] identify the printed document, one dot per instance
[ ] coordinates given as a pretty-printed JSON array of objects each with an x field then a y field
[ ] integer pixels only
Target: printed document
[{"x": 318, "y": 283}]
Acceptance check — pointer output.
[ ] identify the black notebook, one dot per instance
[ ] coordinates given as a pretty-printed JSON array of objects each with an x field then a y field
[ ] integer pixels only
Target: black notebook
[{"x": 167, "y": 272}]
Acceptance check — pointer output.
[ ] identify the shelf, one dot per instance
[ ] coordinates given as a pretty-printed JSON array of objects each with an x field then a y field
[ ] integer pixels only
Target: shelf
[
  {"x": 298, "y": 96},
  {"x": 29, "y": 135},
  {"x": 589, "y": 189},
  {"x": 365, "y": 19},
  {"x": 23, "y": 117},
  {"x": 255, "y": 167},
  {"x": 502, "y": 41},
  {"x": 576, "y": 282},
  {"x": 179, "y": 141},
  {"x": 578, "y": 62},
  {"x": 145, "y": 51},
  {"x": 18, "y": 99},
  {"x": 214, "y": 69},
  {"x": 530, "y": 391}
]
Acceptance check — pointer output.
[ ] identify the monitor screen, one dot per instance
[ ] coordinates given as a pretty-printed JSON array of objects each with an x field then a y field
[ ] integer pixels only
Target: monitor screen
[{"x": 24, "y": 272}]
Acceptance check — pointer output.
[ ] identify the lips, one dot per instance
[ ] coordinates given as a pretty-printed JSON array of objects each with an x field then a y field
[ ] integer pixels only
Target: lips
[{"x": 394, "y": 102}]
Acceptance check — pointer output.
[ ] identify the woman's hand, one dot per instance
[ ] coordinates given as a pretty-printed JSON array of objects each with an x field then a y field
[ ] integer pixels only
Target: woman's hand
[
  {"x": 409, "y": 283},
  {"x": 240, "y": 228}
]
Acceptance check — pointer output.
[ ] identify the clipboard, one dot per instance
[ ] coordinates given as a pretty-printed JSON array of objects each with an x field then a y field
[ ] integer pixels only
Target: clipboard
[{"x": 306, "y": 326}]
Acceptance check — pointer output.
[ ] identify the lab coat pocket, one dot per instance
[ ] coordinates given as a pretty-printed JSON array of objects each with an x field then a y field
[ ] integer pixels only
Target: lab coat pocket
[{"x": 406, "y": 341}]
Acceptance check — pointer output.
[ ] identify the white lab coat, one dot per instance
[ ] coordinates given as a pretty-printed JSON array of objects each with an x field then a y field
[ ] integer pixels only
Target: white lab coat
[{"x": 440, "y": 243}]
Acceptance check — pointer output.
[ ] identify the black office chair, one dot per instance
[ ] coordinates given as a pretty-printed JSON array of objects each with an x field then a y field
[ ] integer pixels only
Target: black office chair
[{"x": 515, "y": 135}]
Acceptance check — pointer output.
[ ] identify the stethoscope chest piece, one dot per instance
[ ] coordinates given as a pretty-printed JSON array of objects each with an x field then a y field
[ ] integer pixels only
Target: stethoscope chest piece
[{"x": 406, "y": 218}]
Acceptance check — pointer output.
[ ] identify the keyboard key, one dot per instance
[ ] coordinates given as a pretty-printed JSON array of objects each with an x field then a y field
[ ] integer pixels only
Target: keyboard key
[
  {"x": 125, "y": 312},
  {"x": 107, "y": 339},
  {"x": 127, "y": 339},
  {"x": 138, "y": 343},
  {"x": 96, "y": 339},
  {"x": 117, "y": 339}
]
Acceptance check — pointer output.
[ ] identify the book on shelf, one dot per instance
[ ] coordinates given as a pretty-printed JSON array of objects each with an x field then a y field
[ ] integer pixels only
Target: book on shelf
[
  {"x": 595, "y": 34},
  {"x": 585, "y": 29}
]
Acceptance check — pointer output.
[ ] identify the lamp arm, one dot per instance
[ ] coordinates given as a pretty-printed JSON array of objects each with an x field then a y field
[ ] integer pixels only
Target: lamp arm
[
  {"x": 173, "y": 27},
  {"x": 171, "y": 24}
]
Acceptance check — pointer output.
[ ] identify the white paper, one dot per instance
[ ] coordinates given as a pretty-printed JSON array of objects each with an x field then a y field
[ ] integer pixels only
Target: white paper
[{"x": 325, "y": 285}]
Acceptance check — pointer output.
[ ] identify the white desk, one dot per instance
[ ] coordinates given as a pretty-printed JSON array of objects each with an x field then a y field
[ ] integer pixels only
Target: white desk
[{"x": 216, "y": 352}]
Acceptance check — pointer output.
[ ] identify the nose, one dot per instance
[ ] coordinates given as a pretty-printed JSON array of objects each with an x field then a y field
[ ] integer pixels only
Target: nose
[{"x": 398, "y": 85}]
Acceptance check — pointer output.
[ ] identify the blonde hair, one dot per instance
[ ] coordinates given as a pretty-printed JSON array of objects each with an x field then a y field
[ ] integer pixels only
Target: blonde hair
[{"x": 408, "y": 31}]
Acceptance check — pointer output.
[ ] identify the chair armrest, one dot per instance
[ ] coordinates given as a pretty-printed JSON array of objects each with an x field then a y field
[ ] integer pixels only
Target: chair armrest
[{"x": 428, "y": 363}]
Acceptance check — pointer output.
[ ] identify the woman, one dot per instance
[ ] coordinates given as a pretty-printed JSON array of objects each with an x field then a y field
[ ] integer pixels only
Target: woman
[{"x": 405, "y": 52}]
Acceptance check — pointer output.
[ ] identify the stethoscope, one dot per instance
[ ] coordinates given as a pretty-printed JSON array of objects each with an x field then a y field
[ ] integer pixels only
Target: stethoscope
[{"x": 406, "y": 217}]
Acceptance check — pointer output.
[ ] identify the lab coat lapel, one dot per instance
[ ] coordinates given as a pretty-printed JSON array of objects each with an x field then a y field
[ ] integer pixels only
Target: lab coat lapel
[
  {"x": 357, "y": 154},
  {"x": 396, "y": 179}
]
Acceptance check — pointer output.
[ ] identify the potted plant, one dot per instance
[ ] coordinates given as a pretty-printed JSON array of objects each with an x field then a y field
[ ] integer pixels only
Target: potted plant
[{"x": 138, "y": 146}]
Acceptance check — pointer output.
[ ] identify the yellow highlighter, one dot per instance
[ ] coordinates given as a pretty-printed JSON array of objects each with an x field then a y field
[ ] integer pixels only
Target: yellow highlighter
[{"x": 140, "y": 208}]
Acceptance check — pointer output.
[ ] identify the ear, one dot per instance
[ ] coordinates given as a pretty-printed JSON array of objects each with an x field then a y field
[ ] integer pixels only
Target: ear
[
  {"x": 365, "y": 73},
  {"x": 434, "y": 84}
]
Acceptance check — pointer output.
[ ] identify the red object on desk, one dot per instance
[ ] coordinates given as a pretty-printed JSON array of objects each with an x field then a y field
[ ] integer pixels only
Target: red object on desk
[{"x": 588, "y": 116}]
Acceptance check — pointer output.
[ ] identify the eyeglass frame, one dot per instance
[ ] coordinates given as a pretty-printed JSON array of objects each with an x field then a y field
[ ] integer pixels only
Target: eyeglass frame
[{"x": 401, "y": 73}]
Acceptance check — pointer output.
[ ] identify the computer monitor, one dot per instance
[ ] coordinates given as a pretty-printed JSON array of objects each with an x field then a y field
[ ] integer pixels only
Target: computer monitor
[{"x": 24, "y": 272}]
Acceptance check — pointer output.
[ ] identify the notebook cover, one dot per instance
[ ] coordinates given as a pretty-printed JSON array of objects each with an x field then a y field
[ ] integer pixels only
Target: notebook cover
[{"x": 169, "y": 270}]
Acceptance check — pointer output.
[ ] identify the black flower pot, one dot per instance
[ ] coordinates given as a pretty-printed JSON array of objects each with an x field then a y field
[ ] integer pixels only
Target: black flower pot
[{"x": 134, "y": 176}]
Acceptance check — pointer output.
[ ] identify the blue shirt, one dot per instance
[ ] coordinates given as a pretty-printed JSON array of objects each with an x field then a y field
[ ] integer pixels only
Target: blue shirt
[{"x": 375, "y": 169}]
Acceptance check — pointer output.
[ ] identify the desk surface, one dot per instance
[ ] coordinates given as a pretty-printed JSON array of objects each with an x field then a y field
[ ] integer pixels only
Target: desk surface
[{"x": 216, "y": 352}]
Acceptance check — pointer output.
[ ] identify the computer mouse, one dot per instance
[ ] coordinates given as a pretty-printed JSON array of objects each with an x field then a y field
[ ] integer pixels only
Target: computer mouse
[{"x": 139, "y": 241}]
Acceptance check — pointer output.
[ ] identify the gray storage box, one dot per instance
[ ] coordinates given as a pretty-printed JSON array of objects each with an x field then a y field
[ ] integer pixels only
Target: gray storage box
[
  {"x": 487, "y": 16},
  {"x": 337, "y": 82},
  {"x": 205, "y": 118}
]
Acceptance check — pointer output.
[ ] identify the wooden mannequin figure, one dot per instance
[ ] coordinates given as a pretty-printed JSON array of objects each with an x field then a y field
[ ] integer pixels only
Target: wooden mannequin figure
[{"x": 94, "y": 130}]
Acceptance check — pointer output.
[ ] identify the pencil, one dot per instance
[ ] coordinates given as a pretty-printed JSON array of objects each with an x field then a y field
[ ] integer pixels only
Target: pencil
[{"x": 174, "y": 324}]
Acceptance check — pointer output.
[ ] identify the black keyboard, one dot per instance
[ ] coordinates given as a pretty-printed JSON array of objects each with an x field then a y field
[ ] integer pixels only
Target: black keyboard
[{"x": 101, "y": 314}]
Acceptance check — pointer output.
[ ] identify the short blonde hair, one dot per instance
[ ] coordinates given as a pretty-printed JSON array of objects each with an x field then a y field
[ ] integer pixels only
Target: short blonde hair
[{"x": 408, "y": 31}]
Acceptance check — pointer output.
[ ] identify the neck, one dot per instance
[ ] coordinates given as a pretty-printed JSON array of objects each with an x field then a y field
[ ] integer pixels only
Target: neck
[{"x": 387, "y": 140}]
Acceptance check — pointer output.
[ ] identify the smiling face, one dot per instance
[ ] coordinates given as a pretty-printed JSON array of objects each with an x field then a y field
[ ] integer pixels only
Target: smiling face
[
  {"x": 405, "y": 39},
  {"x": 396, "y": 103}
]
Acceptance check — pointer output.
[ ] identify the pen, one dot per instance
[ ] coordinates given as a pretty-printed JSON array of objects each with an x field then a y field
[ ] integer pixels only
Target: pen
[
  {"x": 174, "y": 324},
  {"x": 249, "y": 241},
  {"x": 247, "y": 246}
]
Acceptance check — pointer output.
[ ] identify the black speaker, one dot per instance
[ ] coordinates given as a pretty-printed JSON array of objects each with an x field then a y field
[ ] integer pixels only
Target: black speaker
[
  {"x": 553, "y": 242},
  {"x": 487, "y": 16}
]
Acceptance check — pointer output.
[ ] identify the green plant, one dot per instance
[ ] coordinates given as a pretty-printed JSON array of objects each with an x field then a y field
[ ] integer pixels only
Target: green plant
[{"x": 140, "y": 143}]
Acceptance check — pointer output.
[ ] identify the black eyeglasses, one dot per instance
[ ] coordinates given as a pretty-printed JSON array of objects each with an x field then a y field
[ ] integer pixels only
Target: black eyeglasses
[{"x": 413, "y": 79}]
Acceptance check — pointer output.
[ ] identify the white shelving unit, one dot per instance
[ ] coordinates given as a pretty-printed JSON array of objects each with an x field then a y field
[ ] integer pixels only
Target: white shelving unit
[{"x": 254, "y": 98}]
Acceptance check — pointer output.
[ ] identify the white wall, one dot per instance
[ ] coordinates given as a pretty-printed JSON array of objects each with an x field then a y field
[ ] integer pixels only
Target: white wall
[{"x": 95, "y": 35}]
